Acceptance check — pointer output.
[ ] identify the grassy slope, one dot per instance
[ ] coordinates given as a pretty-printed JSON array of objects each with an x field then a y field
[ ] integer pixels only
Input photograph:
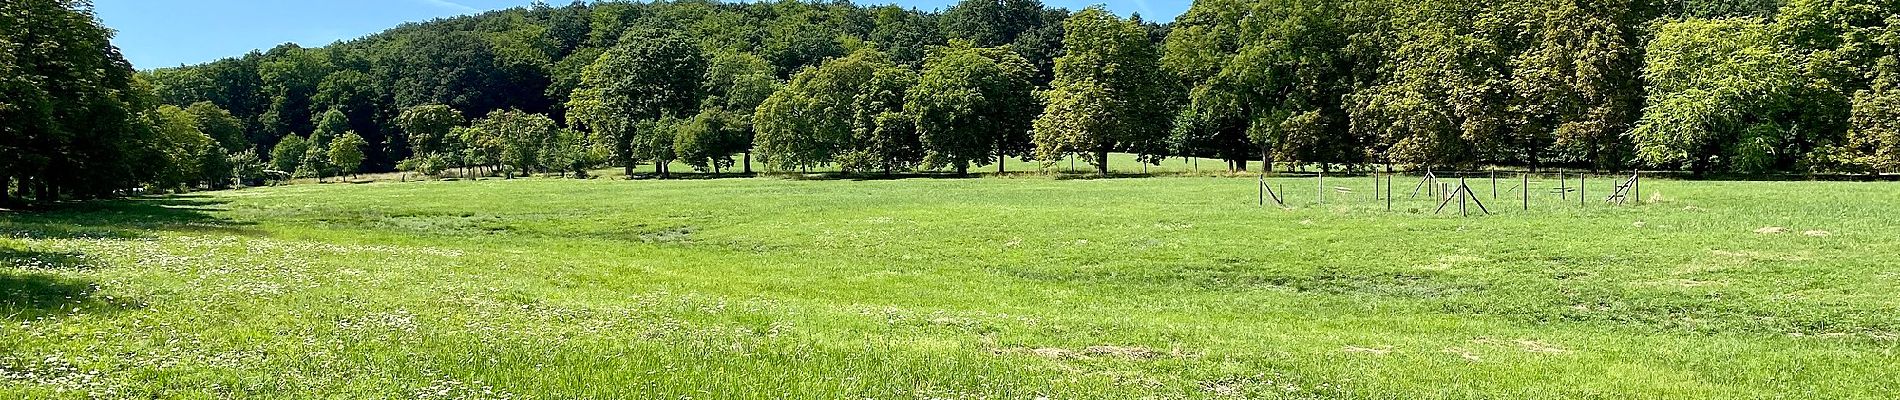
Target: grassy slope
[{"x": 950, "y": 288}]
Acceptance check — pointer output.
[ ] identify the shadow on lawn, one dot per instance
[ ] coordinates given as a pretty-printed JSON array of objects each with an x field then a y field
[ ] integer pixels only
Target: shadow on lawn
[
  {"x": 35, "y": 283},
  {"x": 122, "y": 219},
  {"x": 31, "y": 286},
  {"x": 26, "y": 296}
]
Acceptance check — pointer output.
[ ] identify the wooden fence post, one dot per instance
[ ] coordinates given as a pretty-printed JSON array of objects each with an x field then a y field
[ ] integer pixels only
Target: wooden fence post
[
  {"x": 1463, "y": 191},
  {"x": 1319, "y": 189},
  {"x": 1563, "y": 186}
]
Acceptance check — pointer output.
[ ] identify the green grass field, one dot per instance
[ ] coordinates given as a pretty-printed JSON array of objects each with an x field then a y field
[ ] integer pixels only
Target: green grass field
[{"x": 991, "y": 288}]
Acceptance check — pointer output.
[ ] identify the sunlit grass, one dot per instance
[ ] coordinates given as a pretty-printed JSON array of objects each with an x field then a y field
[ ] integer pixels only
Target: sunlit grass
[{"x": 954, "y": 288}]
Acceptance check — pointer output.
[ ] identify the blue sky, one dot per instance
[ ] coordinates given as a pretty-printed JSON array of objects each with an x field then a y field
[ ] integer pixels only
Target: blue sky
[{"x": 156, "y": 34}]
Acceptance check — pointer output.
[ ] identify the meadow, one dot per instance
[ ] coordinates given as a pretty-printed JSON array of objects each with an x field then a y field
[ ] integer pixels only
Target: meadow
[{"x": 999, "y": 288}]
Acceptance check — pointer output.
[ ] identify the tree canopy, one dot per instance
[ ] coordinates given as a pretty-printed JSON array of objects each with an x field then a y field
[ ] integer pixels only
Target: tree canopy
[{"x": 1709, "y": 86}]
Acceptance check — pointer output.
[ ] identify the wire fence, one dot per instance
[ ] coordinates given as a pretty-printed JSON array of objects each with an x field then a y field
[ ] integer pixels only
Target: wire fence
[{"x": 1461, "y": 192}]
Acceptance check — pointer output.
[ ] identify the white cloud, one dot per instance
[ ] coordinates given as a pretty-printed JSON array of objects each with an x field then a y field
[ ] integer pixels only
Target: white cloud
[{"x": 450, "y": 4}]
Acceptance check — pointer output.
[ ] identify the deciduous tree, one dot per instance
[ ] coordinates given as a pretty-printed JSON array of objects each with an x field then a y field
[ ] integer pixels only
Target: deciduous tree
[
  {"x": 346, "y": 153},
  {"x": 648, "y": 76},
  {"x": 973, "y": 106},
  {"x": 1105, "y": 94}
]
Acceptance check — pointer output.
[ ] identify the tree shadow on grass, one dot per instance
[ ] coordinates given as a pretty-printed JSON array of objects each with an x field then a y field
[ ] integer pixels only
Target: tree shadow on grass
[
  {"x": 43, "y": 260},
  {"x": 26, "y": 296},
  {"x": 123, "y": 219},
  {"x": 35, "y": 283}
]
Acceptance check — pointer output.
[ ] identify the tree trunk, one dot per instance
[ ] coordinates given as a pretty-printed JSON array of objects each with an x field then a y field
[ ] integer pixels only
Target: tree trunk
[
  {"x": 5, "y": 182},
  {"x": 963, "y": 168},
  {"x": 628, "y": 168},
  {"x": 748, "y": 162},
  {"x": 1002, "y": 160},
  {"x": 1101, "y": 162},
  {"x": 41, "y": 192}
]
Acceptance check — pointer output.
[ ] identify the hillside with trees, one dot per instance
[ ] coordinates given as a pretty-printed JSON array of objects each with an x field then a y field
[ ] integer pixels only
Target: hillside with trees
[{"x": 1707, "y": 86}]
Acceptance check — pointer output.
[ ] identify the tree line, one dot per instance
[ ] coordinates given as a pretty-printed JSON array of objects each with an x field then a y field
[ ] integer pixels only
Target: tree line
[{"x": 1725, "y": 86}]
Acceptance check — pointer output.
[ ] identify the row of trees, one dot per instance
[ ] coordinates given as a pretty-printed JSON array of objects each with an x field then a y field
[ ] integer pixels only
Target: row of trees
[
  {"x": 533, "y": 59},
  {"x": 1733, "y": 86},
  {"x": 75, "y": 121},
  {"x": 658, "y": 97},
  {"x": 1748, "y": 86},
  {"x": 1745, "y": 86}
]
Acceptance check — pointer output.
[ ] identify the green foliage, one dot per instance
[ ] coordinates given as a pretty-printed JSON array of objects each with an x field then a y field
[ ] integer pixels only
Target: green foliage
[
  {"x": 708, "y": 140},
  {"x": 247, "y": 169},
  {"x": 1876, "y": 128},
  {"x": 570, "y": 151},
  {"x": 427, "y": 127},
  {"x": 220, "y": 125},
  {"x": 516, "y": 140},
  {"x": 1716, "y": 87},
  {"x": 973, "y": 106},
  {"x": 317, "y": 162},
  {"x": 74, "y": 119},
  {"x": 290, "y": 78},
  {"x": 457, "y": 68},
  {"x": 1575, "y": 86},
  {"x": 288, "y": 153},
  {"x": 1105, "y": 94},
  {"x": 649, "y": 75},
  {"x": 831, "y": 114},
  {"x": 346, "y": 153},
  {"x": 737, "y": 82},
  {"x": 1025, "y": 26},
  {"x": 181, "y": 151},
  {"x": 1300, "y": 82}
]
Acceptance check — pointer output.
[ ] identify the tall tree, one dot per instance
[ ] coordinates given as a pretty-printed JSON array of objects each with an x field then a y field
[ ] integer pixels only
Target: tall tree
[
  {"x": 905, "y": 34},
  {"x": 427, "y": 127},
  {"x": 290, "y": 76},
  {"x": 839, "y": 112},
  {"x": 708, "y": 140},
  {"x": 456, "y": 68},
  {"x": 76, "y": 115},
  {"x": 179, "y": 150},
  {"x": 973, "y": 106},
  {"x": 288, "y": 153},
  {"x": 1104, "y": 94},
  {"x": 220, "y": 125},
  {"x": 519, "y": 138},
  {"x": 1443, "y": 98},
  {"x": 346, "y": 153},
  {"x": 735, "y": 85},
  {"x": 356, "y": 94},
  {"x": 1578, "y": 92},
  {"x": 649, "y": 75},
  {"x": 1716, "y": 90},
  {"x": 316, "y": 160}
]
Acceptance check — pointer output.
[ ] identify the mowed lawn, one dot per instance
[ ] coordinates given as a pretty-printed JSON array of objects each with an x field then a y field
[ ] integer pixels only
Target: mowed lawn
[{"x": 994, "y": 288}]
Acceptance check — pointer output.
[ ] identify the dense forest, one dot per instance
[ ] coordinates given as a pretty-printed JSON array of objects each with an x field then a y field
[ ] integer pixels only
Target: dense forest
[{"x": 1709, "y": 86}]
